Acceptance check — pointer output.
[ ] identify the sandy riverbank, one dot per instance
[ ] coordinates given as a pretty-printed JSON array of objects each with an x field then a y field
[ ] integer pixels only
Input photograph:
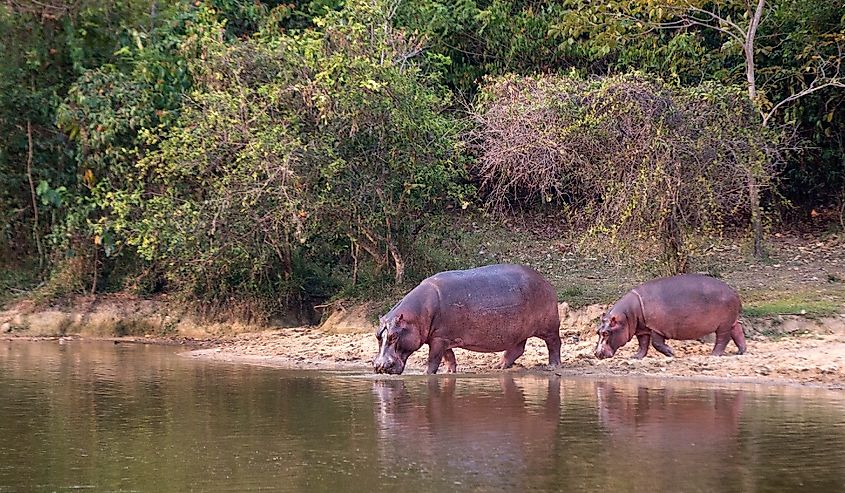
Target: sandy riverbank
[
  {"x": 781, "y": 350},
  {"x": 788, "y": 350}
]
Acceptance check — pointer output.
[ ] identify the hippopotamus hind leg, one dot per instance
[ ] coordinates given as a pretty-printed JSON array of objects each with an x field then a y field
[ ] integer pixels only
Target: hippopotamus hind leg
[
  {"x": 511, "y": 355},
  {"x": 723, "y": 337},
  {"x": 451, "y": 362},
  {"x": 643, "y": 340},
  {"x": 738, "y": 336},
  {"x": 553, "y": 345},
  {"x": 659, "y": 343}
]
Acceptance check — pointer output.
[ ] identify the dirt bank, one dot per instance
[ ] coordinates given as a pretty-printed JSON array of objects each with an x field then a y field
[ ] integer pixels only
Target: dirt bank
[
  {"x": 115, "y": 315},
  {"x": 787, "y": 349}
]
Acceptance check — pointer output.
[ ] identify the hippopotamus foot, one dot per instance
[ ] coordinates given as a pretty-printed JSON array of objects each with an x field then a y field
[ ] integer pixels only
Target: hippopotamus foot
[
  {"x": 511, "y": 355},
  {"x": 644, "y": 340},
  {"x": 451, "y": 362},
  {"x": 659, "y": 343},
  {"x": 722, "y": 338}
]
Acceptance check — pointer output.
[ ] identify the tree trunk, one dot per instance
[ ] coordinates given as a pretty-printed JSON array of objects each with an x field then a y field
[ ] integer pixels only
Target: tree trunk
[
  {"x": 677, "y": 258},
  {"x": 353, "y": 249},
  {"x": 398, "y": 263},
  {"x": 750, "y": 75},
  {"x": 756, "y": 217},
  {"x": 96, "y": 259},
  {"x": 369, "y": 245},
  {"x": 36, "y": 230}
]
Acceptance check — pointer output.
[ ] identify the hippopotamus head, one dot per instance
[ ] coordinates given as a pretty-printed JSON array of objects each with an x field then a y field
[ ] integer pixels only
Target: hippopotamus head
[
  {"x": 397, "y": 337},
  {"x": 613, "y": 334}
]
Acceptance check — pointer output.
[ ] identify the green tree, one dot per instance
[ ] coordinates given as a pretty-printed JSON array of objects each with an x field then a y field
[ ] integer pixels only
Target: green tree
[
  {"x": 46, "y": 46},
  {"x": 295, "y": 149}
]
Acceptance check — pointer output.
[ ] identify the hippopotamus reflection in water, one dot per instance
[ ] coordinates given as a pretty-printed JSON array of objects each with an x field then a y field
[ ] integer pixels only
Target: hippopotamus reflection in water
[
  {"x": 674, "y": 425},
  {"x": 487, "y": 433},
  {"x": 488, "y": 309},
  {"x": 687, "y": 306}
]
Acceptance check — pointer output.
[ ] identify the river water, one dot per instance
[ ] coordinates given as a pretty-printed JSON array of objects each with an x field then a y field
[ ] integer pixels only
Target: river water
[{"x": 129, "y": 417}]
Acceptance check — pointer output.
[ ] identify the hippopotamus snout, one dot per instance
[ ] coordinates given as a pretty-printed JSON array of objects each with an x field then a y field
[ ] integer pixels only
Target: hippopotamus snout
[
  {"x": 389, "y": 365},
  {"x": 603, "y": 350}
]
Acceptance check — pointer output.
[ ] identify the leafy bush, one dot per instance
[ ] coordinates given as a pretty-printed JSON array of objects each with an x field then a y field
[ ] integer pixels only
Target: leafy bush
[{"x": 295, "y": 154}]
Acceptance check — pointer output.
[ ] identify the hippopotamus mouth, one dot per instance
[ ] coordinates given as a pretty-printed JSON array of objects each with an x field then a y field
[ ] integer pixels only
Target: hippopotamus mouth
[
  {"x": 603, "y": 348},
  {"x": 394, "y": 367},
  {"x": 389, "y": 360}
]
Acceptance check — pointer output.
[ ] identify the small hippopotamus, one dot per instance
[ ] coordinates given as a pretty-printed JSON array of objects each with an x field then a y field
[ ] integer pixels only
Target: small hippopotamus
[
  {"x": 686, "y": 306},
  {"x": 488, "y": 309}
]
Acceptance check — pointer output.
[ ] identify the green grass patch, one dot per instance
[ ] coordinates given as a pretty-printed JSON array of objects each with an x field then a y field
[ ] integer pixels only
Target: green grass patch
[
  {"x": 569, "y": 292},
  {"x": 792, "y": 306}
]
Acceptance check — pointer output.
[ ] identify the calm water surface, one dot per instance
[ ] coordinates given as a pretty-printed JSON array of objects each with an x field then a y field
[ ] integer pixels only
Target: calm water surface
[{"x": 105, "y": 417}]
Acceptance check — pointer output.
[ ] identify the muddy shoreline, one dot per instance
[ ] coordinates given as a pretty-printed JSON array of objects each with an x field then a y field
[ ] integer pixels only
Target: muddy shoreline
[
  {"x": 792, "y": 350},
  {"x": 785, "y": 349},
  {"x": 806, "y": 360}
]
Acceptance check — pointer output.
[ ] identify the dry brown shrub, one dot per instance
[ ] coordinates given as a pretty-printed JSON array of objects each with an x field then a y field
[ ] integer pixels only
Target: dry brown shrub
[{"x": 639, "y": 160}]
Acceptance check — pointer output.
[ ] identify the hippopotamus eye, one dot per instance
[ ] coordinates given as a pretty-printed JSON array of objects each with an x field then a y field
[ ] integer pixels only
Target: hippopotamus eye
[{"x": 392, "y": 338}]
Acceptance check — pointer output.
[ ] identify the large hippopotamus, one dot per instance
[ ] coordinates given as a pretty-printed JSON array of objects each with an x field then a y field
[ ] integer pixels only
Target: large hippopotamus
[
  {"x": 687, "y": 306},
  {"x": 488, "y": 309}
]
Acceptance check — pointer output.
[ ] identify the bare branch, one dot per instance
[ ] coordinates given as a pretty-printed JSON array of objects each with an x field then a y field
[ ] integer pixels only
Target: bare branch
[
  {"x": 686, "y": 21},
  {"x": 809, "y": 90},
  {"x": 742, "y": 32},
  {"x": 697, "y": 22},
  {"x": 821, "y": 81}
]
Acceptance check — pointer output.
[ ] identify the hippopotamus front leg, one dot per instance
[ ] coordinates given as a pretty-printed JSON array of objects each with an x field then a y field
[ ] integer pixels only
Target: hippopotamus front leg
[
  {"x": 644, "y": 340},
  {"x": 659, "y": 343},
  {"x": 451, "y": 362},
  {"x": 511, "y": 355},
  {"x": 437, "y": 352}
]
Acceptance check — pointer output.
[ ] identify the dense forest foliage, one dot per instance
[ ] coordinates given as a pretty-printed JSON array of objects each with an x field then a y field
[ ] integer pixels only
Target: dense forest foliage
[{"x": 280, "y": 154}]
